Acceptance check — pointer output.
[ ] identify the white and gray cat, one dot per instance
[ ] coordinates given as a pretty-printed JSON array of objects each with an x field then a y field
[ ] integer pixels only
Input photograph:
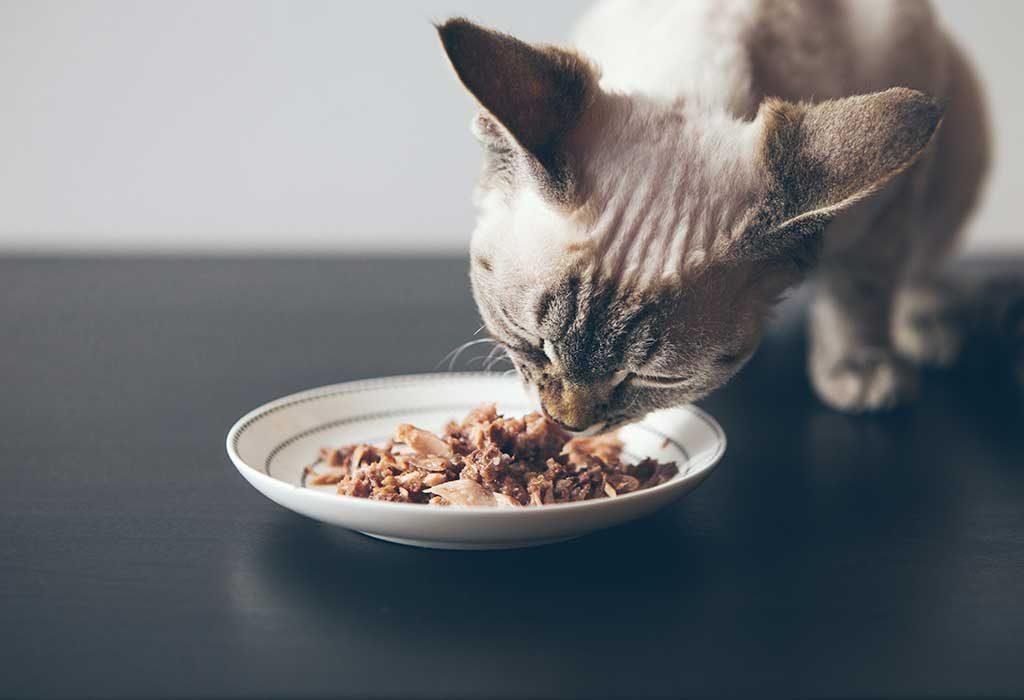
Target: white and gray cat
[{"x": 648, "y": 195}]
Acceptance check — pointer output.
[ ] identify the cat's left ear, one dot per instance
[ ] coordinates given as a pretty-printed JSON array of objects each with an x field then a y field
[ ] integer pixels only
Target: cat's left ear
[
  {"x": 532, "y": 96},
  {"x": 819, "y": 159}
]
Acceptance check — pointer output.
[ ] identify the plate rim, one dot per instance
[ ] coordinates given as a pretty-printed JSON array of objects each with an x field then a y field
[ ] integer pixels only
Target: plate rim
[{"x": 700, "y": 470}]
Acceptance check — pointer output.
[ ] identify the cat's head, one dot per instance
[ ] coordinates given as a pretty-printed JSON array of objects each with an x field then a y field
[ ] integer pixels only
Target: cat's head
[{"x": 628, "y": 251}]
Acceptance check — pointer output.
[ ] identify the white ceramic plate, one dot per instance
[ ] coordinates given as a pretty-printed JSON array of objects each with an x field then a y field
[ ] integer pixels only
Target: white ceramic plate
[{"x": 272, "y": 444}]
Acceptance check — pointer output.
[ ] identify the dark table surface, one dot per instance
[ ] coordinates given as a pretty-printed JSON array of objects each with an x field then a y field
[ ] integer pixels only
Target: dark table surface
[{"x": 826, "y": 555}]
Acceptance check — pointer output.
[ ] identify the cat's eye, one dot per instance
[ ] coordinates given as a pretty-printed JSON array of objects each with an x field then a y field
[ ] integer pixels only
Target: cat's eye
[
  {"x": 533, "y": 355},
  {"x": 734, "y": 357},
  {"x": 655, "y": 381}
]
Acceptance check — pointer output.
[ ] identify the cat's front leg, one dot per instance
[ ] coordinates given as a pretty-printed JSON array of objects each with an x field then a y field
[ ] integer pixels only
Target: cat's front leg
[
  {"x": 929, "y": 323},
  {"x": 852, "y": 363}
]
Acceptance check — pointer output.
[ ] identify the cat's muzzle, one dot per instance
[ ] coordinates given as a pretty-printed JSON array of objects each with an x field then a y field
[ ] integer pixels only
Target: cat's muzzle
[{"x": 579, "y": 408}]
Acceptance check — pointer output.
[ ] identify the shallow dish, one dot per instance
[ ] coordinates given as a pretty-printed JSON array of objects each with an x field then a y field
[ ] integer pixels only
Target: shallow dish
[{"x": 273, "y": 444}]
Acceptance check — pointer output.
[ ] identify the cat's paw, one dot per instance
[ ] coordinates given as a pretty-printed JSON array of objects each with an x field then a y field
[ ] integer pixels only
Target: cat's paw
[
  {"x": 863, "y": 381},
  {"x": 927, "y": 329}
]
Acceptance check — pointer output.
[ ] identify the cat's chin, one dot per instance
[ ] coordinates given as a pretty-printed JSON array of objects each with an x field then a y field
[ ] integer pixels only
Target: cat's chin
[
  {"x": 593, "y": 430},
  {"x": 607, "y": 426}
]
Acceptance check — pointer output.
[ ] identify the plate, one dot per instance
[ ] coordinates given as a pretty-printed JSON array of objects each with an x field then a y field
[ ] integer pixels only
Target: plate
[{"x": 273, "y": 444}]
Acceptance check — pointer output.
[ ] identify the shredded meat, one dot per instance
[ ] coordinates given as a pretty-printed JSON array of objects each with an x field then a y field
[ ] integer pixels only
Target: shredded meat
[{"x": 487, "y": 459}]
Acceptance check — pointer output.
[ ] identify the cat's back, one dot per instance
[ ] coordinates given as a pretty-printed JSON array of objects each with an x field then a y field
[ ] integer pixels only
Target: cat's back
[
  {"x": 666, "y": 49},
  {"x": 731, "y": 53}
]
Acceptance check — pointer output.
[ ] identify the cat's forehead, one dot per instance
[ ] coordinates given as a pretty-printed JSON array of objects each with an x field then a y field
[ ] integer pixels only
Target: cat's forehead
[
  {"x": 526, "y": 238},
  {"x": 658, "y": 189},
  {"x": 685, "y": 149}
]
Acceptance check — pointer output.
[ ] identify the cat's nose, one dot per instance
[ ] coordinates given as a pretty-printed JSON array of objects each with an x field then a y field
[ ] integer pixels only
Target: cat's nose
[
  {"x": 575, "y": 407},
  {"x": 561, "y": 421}
]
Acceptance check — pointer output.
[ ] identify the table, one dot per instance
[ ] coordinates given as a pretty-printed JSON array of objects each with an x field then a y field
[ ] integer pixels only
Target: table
[{"x": 826, "y": 555}]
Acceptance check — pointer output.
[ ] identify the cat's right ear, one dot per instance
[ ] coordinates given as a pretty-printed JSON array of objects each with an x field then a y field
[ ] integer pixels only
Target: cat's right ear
[{"x": 531, "y": 96}]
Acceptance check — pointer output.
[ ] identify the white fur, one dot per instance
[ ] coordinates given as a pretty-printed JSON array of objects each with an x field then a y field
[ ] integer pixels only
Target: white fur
[
  {"x": 662, "y": 198},
  {"x": 697, "y": 48},
  {"x": 668, "y": 48},
  {"x": 659, "y": 197},
  {"x": 662, "y": 195}
]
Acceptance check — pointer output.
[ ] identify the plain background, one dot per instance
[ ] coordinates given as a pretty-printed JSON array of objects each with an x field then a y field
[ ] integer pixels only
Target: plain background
[{"x": 302, "y": 127}]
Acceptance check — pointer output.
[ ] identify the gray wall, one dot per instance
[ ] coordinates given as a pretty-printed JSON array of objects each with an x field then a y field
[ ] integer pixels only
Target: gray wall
[{"x": 263, "y": 126}]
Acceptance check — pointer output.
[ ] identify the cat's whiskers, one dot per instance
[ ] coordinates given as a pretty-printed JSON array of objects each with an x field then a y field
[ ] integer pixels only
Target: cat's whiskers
[
  {"x": 453, "y": 356},
  {"x": 632, "y": 403},
  {"x": 501, "y": 356},
  {"x": 488, "y": 361},
  {"x": 484, "y": 360}
]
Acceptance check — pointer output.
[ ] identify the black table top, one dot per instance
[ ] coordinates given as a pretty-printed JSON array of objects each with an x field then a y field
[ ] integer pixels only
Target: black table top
[{"x": 826, "y": 555}]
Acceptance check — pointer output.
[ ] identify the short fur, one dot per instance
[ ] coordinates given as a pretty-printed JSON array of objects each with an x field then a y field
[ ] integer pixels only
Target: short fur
[{"x": 647, "y": 197}]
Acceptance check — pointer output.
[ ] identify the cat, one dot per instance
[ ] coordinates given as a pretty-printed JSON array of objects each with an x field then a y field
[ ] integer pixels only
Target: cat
[{"x": 649, "y": 194}]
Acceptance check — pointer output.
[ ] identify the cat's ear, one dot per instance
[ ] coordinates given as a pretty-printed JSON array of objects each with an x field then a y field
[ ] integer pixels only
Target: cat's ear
[
  {"x": 535, "y": 94},
  {"x": 821, "y": 158}
]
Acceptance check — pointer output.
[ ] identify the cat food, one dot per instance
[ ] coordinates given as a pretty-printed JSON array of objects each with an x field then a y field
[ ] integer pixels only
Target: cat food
[{"x": 489, "y": 460}]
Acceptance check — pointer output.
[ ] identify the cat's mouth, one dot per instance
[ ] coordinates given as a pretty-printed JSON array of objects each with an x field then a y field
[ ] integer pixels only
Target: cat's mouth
[
  {"x": 608, "y": 425},
  {"x": 595, "y": 429},
  {"x": 589, "y": 431}
]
